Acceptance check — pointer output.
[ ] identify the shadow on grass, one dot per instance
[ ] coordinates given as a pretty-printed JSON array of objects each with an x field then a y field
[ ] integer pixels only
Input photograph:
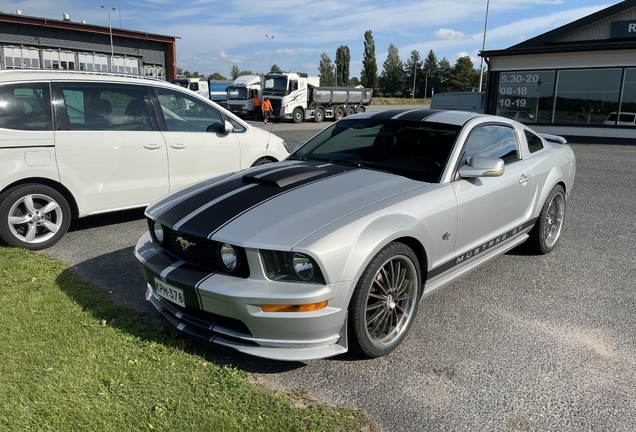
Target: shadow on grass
[{"x": 126, "y": 309}]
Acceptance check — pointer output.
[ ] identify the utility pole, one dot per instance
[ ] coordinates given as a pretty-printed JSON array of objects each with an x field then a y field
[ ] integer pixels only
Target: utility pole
[
  {"x": 270, "y": 51},
  {"x": 110, "y": 29},
  {"x": 483, "y": 46}
]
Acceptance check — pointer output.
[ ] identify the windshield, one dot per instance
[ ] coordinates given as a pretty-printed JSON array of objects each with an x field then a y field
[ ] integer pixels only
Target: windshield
[
  {"x": 181, "y": 83},
  {"x": 275, "y": 83},
  {"x": 236, "y": 93},
  {"x": 415, "y": 150}
]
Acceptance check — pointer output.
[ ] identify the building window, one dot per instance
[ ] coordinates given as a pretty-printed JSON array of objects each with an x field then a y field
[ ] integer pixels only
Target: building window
[
  {"x": 586, "y": 97},
  {"x": 59, "y": 60},
  {"x": 21, "y": 58},
  {"x": 526, "y": 96},
  {"x": 153, "y": 71}
]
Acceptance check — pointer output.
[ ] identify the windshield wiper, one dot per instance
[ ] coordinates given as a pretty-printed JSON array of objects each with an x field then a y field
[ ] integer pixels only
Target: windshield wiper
[{"x": 356, "y": 165}]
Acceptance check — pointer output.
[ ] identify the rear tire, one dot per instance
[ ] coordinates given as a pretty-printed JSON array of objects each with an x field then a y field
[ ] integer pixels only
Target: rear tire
[
  {"x": 319, "y": 115},
  {"x": 33, "y": 216},
  {"x": 384, "y": 302},
  {"x": 351, "y": 111},
  {"x": 360, "y": 109},
  {"x": 298, "y": 116},
  {"x": 338, "y": 113},
  {"x": 546, "y": 232}
]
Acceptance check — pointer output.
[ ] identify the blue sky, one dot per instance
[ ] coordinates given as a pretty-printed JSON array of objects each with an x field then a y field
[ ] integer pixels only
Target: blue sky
[{"x": 214, "y": 35}]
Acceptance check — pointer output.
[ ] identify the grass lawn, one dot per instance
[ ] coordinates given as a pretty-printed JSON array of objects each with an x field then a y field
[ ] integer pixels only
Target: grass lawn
[
  {"x": 399, "y": 101},
  {"x": 73, "y": 360}
]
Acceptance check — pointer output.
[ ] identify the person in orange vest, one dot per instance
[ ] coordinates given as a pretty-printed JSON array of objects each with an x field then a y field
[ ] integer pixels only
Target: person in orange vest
[
  {"x": 267, "y": 110},
  {"x": 257, "y": 107}
]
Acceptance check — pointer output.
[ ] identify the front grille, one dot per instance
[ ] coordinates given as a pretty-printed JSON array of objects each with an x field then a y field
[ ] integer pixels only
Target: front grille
[
  {"x": 201, "y": 251},
  {"x": 275, "y": 106}
]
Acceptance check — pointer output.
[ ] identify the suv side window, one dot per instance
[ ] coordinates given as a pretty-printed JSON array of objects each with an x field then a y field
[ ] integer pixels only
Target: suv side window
[
  {"x": 494, "y": 141},
  {"x": 186, "y": 113},
  {"x": 534, "y": 142},
  {"x": 104, "y": 106},
  {"x": 26, "y": 106}
]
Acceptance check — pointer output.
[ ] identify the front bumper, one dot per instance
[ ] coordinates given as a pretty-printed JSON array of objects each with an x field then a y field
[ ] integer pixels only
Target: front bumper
[{"x": 226, "y": 309}]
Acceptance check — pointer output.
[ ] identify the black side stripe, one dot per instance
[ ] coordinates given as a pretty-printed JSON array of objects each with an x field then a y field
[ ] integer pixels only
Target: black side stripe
[{"x": 478, "y": 251}]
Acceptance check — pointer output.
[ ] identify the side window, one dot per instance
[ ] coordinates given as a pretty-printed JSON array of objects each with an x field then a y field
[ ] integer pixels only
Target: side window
[
  {"x": 534, "y": 142},
  {"x": 97, "y": 106},
  {"x": 26, "y": 107},
  {"x": 186, "y": 113},
  {"x": 495, "y": 141},
  {"x": 293, "y": 85}
]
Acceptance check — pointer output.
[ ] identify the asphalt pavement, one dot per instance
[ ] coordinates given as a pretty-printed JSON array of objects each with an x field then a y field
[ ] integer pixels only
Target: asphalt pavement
[{"x": 525, "y": 343}]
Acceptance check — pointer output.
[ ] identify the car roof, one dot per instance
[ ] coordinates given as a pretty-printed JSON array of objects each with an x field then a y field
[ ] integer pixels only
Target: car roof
[
  {"x": 44, "y": 74},
  {"x": 451, "y": 117}
]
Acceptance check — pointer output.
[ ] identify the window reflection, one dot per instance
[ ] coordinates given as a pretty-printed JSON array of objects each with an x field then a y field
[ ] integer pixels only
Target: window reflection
[{"x": 586, "y": 97}]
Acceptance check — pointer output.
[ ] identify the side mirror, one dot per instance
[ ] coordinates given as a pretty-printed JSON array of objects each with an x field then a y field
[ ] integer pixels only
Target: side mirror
[
  {"x": 481, "y": 166},
  {"x": 224, "y": 128}
]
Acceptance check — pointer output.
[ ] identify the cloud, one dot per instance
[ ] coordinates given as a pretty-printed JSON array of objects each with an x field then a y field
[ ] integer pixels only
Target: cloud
[{"x": 450, "y": 34}]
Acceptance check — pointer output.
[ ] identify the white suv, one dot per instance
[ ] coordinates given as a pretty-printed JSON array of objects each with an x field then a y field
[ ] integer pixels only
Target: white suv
[{"x": 74, "y": 144}]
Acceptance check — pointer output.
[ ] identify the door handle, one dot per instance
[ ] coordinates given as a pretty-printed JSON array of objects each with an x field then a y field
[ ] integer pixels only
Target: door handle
[
  {"x": 178, "y": 146},
  {"x": 152, "y": 146},
  {"x": 524, "y": 179}
]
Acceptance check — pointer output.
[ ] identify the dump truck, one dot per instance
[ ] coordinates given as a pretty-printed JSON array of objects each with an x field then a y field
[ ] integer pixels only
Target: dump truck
[
  {"x": 241, "y": 94},
  {"x": 298, "y": 97}
]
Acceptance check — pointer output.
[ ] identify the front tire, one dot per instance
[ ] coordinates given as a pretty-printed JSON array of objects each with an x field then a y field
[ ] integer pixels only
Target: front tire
[
  {"x": 319, "y": 115},
  {"x": 298, "y": 116},
  {"x": 33, "y": 216},
  {"x": 384, "y": 302},
  {"x": 547, "y": 230}
]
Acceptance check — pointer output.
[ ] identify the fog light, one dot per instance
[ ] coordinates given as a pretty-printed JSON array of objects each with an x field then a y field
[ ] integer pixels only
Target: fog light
[
  {"x": 295, "y": 308},
  {"x": 158, "y": 232},
  {"x": 228, "y": 257}
]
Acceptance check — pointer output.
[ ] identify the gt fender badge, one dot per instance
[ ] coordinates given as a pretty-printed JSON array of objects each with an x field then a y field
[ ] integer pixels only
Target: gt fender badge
[
  {"x": 446, "y": 236},
  {"x": 184, "y": 243}
]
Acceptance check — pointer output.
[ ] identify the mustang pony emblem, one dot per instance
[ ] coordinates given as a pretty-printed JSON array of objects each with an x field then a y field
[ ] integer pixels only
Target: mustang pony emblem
[{"x": 184, "y": 243}]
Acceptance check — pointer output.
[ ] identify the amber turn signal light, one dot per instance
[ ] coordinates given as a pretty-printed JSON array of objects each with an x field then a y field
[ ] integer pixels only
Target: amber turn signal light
[{"x": 294, "y": 308}]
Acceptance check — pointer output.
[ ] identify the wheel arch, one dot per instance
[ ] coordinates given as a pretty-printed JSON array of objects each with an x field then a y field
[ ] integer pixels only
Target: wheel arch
[{"x": 52, "y": 184}]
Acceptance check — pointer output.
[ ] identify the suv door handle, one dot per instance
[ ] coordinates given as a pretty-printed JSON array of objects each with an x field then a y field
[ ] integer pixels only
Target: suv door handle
[
  {"x": 178, "y": 146},
  {"x": 524, "y": 179},
  {"x": 152, "y": 146}
]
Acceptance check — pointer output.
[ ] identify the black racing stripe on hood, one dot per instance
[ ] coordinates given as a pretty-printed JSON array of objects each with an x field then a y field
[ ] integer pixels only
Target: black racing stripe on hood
[
  {"x": 183, "y": 209},
  {"x": 214, "y": 217},
  {"x": 387, "y": 115}
]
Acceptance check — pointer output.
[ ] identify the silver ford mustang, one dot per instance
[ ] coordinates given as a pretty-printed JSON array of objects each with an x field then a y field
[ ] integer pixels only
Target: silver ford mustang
[{"x": 334, "y": 248}]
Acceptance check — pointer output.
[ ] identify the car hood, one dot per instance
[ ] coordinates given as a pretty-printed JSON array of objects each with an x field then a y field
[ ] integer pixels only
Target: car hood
[{"x": 277, "y": 205}]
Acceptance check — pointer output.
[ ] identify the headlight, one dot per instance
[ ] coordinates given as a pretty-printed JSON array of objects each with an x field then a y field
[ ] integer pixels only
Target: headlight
[
  {"x": 291, "y": 267},
  {"x": 303, "y": 266},
  {"x": 157, "y": 232},
  {"x": 228, "y": 257}
]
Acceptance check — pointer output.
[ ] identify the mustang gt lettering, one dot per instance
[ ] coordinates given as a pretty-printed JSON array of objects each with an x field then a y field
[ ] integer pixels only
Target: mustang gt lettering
[{"x": 334, "y": 248}]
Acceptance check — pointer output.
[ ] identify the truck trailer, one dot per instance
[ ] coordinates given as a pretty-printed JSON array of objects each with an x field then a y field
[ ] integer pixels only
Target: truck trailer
[
  {"x": 299, "y": 97},
  {"x": 211, "y": 89}
]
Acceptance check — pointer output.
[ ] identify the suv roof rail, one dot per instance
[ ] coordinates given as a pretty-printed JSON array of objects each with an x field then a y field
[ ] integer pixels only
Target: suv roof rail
[{"x": 70, "y": 72}]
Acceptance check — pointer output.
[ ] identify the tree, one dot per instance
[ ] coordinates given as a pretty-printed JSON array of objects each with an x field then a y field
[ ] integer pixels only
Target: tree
[
  {"x": 235, "y": 72},
  {"x": 413, "y": 75},
  {"x": 325, "y": 69},
  {"x": 369, "y": 74},
  {"x": 354, "y": 81},
  {"x": 246, "y": 72},
  {"x": 343, "y": 60},
  {"x": 275, "y": 68},
  {"x": 443, "y": 76},
  {"x": 179, "y": 71},
  {"x": 392, "y": 78},
  {"x": 431, "y": 74},
  {"x": 217, "y": 76},
  {"x": 463, "y": 76}
]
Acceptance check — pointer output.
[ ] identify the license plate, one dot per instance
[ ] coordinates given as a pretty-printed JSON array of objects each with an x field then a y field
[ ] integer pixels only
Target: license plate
[{"x": 170, "y": 292}]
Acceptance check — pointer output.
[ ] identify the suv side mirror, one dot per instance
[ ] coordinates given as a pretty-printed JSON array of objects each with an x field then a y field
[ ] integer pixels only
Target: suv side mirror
[
  {"x": 481, "y": 166},
  {"x": 224, "y": 128}
]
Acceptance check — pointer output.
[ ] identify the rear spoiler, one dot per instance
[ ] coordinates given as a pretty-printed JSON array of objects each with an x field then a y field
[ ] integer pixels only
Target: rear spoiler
[{"x": 554, "y": 138}]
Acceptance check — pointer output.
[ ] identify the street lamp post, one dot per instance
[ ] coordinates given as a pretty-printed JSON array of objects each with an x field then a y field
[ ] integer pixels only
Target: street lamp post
[
  {"x": 414, "y": 75},
  {"x": 483, "y": 46},
  {"x": 270, "y": 51},
  {"x": 110, "y": 29}
]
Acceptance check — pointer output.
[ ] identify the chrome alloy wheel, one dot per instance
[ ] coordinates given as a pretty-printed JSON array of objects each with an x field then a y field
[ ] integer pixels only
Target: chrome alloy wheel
[
  {"x": 391, "y": 301},
  {"x": 554, "y": 217},
  {"x": 35, "y": 218}
]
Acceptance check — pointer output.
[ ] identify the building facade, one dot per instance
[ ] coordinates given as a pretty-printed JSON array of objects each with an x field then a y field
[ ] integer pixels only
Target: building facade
[
  {"x": 578, "y": 80},
  {"x": 39, "y": 43}
]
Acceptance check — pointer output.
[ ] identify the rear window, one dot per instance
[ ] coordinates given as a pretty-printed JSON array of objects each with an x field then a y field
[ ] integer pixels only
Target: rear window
[
  {"x": 26, "y": 106},
  {"x": 534, "y": 142}
]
